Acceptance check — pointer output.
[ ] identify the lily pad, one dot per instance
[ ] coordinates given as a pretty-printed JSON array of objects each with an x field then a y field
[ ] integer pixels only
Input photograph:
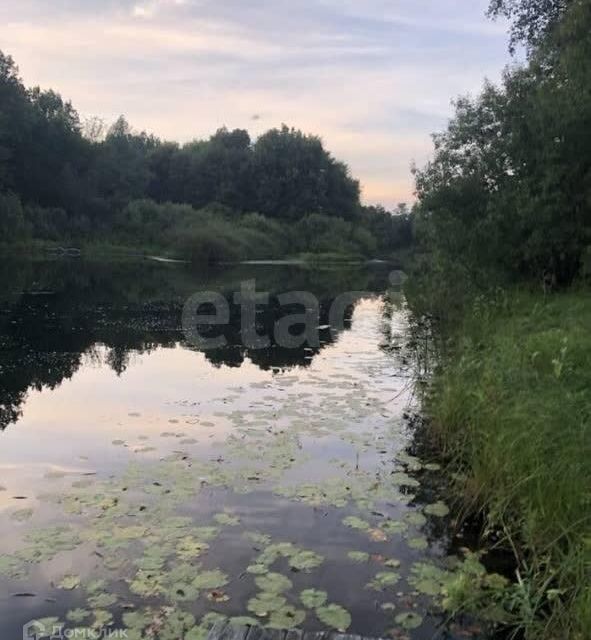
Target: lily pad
[
  {"x": 210, "y": 579},
  {"x": 287, "y": 617},
  {"x": 69, "y": 583},
  {"x": 393, "y": 563},
  {"x": 353, "y": 522},
  {"x": 313, "y": 598},
  {"x": 305, "y": 560},
  {"x": 273, "y": 583},
  {"x": 258, "y": 569},
  {"x": 257, "y": 538},
  {"x": 22, "y": 515},
  {"x": 437, "y": 509},
  {"x": 226, "y": 519},
  {"x": 334, "y": 616},
  {"x": 409, "y": 620},
  {"x": 78, "y": 615},
  {"x": 420, "y": 543},
  {"x": 189, "y": 548},
  {"x": 46, "y": 627},
  {"x": 394, "y": 526},
  {"x": 265, "y": 603},
  {"x": 383, "y": 580},
  {"x": 102, "y": 600},
  {"x": 176, "y": 624},
  {"x": 101, "y": 619},
  {"x": 242, "y": 621},
  {"x": 358, "y": 556},
  {"x": 416, "y": 518}
]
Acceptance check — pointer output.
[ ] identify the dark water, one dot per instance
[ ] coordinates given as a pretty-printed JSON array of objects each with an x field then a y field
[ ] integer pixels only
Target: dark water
[{"x": 129, "y": 455}]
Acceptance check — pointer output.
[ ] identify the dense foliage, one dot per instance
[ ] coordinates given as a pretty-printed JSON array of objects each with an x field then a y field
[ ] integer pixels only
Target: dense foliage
[
  {"x": 511, "y": 410},
  {"x": 227, "y": 197},
  {"x": 509, "y": 187}
]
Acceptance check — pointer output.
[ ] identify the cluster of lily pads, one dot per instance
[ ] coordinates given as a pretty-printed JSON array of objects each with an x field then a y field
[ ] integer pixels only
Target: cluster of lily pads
[{"x": 153, "y": 559}]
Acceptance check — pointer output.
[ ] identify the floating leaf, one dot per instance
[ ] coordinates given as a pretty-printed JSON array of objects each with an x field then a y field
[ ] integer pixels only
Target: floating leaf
[
  {"x": 78, "y": 615},
  {"x": 392, "y": 563},
  {"x": 416, "y": 518},
  {"x": 205, "y": 533},
  {"x": 383, "y": 580},
  {"x": 358, "y": 556},
  {"x": 189, "y": 548},
  {"x": 22, "y": 514},
  {"x": 273, "y": 583},
  {"x": 102, "y": 600},
  {"x": 354, "y": 522},
  {"x": 409, "y": 620},
  {"x": 226, "y": 519},
  {"x": 101, "y": 619},
  {"x": 420, "y": 543},
  {"x": 265, "y": 603},
  {"x": 437, "y": 509},
  {"x": 197, "y": 633},
  {"x": 210, "y": 579},
  {"x": 403, "y": 479},
  {"x": 182, "y": 592},
  {"x": 241, "y": 621},
  {"x": 393, "y": 526},
  {"x": 334, "y": 616},
  {"x": 313, "y": 598},
  {"x": 258, "y": 569},
  {"x": 95, "y": 586},
  {"x": 305, "y": 560},
  {"x": 260, "y": 539},
  {"x": 427, "y": 586},
  {"x": 287, "y": 617},
  {"x": 176, "y": 625},
  {"x": 147, "y": 584},
  {"x": 47, "y": 626},
  {"x": 69, "y": 583}
]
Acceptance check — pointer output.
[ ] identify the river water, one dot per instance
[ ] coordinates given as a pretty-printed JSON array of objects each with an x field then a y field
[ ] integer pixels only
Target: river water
[{"x": 149, "y": 485}]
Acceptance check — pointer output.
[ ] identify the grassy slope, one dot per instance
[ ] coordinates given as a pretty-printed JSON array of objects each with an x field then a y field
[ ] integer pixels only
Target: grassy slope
[{"x": 512, "y": 408}]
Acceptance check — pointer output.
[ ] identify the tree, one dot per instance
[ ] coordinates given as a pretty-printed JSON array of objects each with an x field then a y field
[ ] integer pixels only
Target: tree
[
  {"x": 509, "y": 186},
  {"x": 532, "y": 20},
  {"x": 294, "y": 176}
]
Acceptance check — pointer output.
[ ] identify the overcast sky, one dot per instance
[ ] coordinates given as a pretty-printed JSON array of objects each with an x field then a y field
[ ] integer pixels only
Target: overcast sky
[{"x": 373, "y": 78}]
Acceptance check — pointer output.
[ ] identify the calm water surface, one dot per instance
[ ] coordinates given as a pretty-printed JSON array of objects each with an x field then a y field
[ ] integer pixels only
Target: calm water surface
[{"x": 141, "y": 475}]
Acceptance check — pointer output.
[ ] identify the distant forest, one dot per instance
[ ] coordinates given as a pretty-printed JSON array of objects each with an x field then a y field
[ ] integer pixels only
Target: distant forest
[{"x": 69, "y": 180}]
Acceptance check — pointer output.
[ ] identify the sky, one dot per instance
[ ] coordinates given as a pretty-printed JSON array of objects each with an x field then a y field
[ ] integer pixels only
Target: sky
[{"x": 372, "y": 78}]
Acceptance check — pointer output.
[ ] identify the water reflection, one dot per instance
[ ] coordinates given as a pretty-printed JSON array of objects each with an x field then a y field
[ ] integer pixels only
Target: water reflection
[
  {"x": 54, "y": 314},
  {"x": 140, "y": 443}
]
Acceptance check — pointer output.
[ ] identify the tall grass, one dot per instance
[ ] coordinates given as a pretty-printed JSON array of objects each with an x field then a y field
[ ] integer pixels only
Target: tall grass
[{"x": 511, "y": 407}]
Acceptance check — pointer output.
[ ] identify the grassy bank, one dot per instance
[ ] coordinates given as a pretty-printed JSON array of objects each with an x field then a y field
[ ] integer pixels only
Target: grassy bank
[{"x": 511, "y": 410}]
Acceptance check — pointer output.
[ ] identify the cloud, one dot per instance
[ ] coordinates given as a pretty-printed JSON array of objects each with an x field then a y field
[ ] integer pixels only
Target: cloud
[
  {"x": 151, "y": 9},
  {"x": 372, "y": 77}
]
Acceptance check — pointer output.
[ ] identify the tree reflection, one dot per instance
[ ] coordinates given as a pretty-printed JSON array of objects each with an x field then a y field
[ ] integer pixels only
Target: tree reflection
[{"x": 54, "y": 315}]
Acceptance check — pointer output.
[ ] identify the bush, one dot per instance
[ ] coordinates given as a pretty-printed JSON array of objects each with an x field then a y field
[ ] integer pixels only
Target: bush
[{"x": 12, "y": 221}]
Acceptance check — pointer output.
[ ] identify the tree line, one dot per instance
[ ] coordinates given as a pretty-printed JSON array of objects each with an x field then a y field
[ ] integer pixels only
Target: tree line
[
  {"x": 508, "y": 190},
  {"x": 62, "y": 178}
]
